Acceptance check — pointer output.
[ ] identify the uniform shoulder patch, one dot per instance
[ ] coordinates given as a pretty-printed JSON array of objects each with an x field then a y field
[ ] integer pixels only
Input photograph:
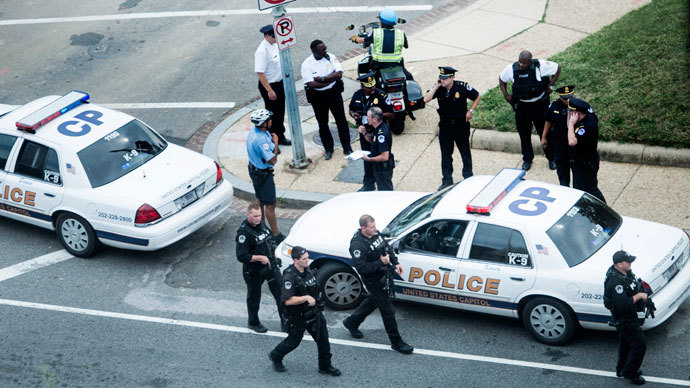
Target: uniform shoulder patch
[
  {"x": 619, "y": 289},
  {"x": 241, "y": 239},
  {"x": 265, "y": 146},
  {"x": 287, "y": 285},
  {"x": 381, "y": 138},
  {"x": 468, "y": 87},
  {"x": 356, "y": 253},
  {"x": 581, "y": 131},
  {"x": 590, "y": 110}
]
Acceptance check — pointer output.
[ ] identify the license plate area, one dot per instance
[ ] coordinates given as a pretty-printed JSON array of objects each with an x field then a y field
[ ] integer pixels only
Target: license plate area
[{"x": 189, "y": 198}]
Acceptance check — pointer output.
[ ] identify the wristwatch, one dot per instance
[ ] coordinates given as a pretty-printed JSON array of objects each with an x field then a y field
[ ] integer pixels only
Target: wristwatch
[{"x": 472, "y": 111}]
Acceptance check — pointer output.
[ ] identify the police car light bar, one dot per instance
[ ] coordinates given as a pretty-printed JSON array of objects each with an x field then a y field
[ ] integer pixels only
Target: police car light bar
[
  {"x": 47, "y": 113},
  {"x": 495, "y": 190}
]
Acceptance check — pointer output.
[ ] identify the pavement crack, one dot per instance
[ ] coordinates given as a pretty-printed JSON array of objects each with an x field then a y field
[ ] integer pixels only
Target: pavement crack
[{"x": 626, "y": 185}]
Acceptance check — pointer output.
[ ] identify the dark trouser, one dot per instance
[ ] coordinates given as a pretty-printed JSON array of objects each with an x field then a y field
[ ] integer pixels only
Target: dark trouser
[
  {"x": 277, "y": 107},
  {"x": 383, "y": 177},
  {"x": 526, "y": 115},
  {"x": 585, "y": 176},
  {"x": 317, "y": 330},
  {"x": 322, "y": 102},
  {"x": 369, "y": 181},
  {"x": 254, "y": 280},
  {"x": 377, "y": 298},
  {"x": 632, "y": 346},
  {"x": 561, "y": 155},
  {"x": 454, "y": 131},
  {"x": 264, "y": 185}
]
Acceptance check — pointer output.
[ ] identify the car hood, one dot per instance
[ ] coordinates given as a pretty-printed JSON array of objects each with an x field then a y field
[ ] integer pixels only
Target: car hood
[{"x": 328, "y": 227}]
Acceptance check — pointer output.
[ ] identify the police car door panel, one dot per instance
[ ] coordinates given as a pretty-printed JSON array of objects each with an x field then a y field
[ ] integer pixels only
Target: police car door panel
[
  {"x": 34, "y": 187},
  {"x": 7, "y": 145},
  {"x": 429, "y": 259},
  {"x": 496, "y": 267}
]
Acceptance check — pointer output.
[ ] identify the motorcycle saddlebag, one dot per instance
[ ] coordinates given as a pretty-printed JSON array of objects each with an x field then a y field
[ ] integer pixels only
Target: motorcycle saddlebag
[{"x": 414, "y": 96}]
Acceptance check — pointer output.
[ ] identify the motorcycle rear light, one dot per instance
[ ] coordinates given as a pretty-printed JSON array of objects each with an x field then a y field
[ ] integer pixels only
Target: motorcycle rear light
[
  {"x": 146, "y": 214},
  {"x": 394, "y": 79},
  {"x": 219, "y": 173},
  {"x": 397, "y": 105}
]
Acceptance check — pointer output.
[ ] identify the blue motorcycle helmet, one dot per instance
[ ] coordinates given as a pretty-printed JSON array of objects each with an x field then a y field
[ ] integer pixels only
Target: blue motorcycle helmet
[{"x": 388, "y": 17}]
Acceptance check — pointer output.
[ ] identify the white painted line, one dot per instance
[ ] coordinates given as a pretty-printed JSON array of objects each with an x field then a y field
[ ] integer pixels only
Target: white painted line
[
  {"x": 172, "y": 105},
  {"x": 426, "y": 352},
  {"x": 251, "y": 11},
  {"x": 30, "y": 265}
]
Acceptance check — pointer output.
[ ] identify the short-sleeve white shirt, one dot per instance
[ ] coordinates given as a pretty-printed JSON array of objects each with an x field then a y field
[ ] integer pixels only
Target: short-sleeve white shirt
[
  {"x": 267, "y": 61},
  {"x": 311, "y": 68},
  {"x": 546, "y": 68}
]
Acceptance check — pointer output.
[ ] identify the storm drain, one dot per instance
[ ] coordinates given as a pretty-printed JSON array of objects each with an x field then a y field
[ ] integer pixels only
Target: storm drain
[{"x": 334, "y": 133}]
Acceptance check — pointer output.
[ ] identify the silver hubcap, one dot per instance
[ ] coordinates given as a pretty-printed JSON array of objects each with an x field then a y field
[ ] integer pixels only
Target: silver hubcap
[
  {"x": 342, "y": 288},
  {"x": 547, "y": 321},
  {"x": 74, "y": 234}
]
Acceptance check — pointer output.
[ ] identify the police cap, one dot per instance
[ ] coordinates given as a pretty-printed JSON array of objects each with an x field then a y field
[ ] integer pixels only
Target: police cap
[
  {"x": 619, "y": 257},
  {"x": 446, "y": 72},
  {"x": 297, "y": 252},
  {"x": 578, "y": 105},
  {"x": 368, "y": 79},
  {"x": 565, "y": 91},
  {"x": 268, "y": 28}
]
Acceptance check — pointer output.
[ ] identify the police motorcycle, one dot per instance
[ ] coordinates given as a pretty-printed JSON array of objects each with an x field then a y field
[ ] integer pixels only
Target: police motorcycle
[{"x": 404, "y": 94}]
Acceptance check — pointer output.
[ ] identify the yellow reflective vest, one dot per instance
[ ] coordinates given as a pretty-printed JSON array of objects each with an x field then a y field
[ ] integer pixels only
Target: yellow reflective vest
[{"x": 377, "y": 53}]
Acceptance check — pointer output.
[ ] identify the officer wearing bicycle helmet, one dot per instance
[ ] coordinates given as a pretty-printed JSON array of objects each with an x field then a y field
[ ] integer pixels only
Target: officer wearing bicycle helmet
[
  {"x": 388, "y": 41},
  {"x": 262, "y": 149}
]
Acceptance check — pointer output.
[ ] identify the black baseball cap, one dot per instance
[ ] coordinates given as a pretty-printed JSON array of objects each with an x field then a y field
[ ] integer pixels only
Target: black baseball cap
[
  {"x": 297, "y": 252},
  {"x": 621, "y": 256}
]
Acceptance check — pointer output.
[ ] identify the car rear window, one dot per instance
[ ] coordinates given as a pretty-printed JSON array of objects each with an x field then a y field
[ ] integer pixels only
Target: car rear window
[
  {"x": 583, "y": 229},
  {"x": 120, "y": 152}
]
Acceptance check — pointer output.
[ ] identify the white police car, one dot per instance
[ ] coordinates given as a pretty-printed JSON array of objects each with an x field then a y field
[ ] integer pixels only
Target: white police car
[
  {"x": 506, "y": 246},
  {"x": 96, "y": 175}
]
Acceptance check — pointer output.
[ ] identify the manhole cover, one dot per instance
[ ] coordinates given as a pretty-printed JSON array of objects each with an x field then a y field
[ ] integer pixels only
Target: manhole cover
[
  {"x": 352, "y": 173},
  {"x": 302, "y": 98},
  {"x": 334, "y": 133},
  {"x": 108, "y": 49}
]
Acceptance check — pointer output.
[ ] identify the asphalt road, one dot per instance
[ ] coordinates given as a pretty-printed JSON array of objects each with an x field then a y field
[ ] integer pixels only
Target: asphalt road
[{"x": 176, "y": 318}]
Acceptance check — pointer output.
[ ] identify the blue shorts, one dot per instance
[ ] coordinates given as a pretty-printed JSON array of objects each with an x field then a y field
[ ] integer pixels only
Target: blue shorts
[{"x": 264, "y": 186}]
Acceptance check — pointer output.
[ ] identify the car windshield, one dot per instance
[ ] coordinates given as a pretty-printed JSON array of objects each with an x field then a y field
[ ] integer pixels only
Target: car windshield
[
  {"x": 120, "y": 152},
  {"x": 583, "y": 229},
  {"x": 415, "y": 212}
]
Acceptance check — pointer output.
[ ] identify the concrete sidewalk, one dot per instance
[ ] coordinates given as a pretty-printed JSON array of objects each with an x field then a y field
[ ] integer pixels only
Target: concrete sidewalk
[{"x": 480, "y": 38}]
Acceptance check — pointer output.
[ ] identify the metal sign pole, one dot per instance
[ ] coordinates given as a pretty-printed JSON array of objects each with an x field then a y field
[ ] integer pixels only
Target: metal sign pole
[{"x": 299, "y": 157}]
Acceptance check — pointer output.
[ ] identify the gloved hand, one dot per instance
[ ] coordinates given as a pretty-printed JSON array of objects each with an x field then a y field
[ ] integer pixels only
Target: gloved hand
[{"x": 353, "y": 38}]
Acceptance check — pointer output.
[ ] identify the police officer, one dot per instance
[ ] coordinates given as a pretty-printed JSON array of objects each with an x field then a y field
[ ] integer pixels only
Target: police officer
[
  {"x": 303, "y": 302},
  {"x": 454, "y": 123},
  {"x": 388, "y": 42},
  {"x": 583, "y": 135},
  {"x": 381, "y": 155},
  {"x": 530, "y": 100},
  {"x": 621, "y": 294},
  {"x": 369, "y": 95},
  {"x": 254, "y": 249},
  {"x": 373, "y": 261},
  {"x": 268, "y": 70},
  {"x": 262, "y": 149},
  {"x": 556, "y": 118}
]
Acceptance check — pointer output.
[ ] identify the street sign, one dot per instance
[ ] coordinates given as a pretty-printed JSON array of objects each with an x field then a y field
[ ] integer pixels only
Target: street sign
[
  {"x": 266, "y": 4},
  {"x": 284, "y": 29}
]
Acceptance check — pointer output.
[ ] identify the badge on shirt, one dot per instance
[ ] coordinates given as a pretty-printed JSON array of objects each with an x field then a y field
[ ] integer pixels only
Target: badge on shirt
[
  {"x": 457, "y": 94},
  {"x": 287, "y": 285},
  {"x": 241, "y": 239},
  {"x": 619, "y": 289},
  {"x": 265, "y": 146},
  {"x": 376, "y": 101},
  {"x": 581, "y": 131},
  {"x": 382, "y": 138},
  {"x": 356, "y": 253}
]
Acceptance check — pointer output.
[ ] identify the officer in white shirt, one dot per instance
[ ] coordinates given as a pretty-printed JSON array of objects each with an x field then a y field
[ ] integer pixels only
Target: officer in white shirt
[
  {"x": 267, "y": 67},
  {"x": 532, "y": 83},
  {"x": 322, "y": 75}
]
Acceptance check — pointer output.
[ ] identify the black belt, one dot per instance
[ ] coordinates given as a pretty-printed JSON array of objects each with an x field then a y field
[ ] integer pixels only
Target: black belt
[
  {"x": 453, "y": 120},
  {"x": 251, "y": 167}
]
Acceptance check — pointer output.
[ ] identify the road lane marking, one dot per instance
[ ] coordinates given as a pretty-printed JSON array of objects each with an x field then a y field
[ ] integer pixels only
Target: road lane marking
[
  {"x": 244, "y": 330},
  {"x": 171, "y": 105},
  {"x": 250, "y": 11},
  {"x": 30, "y": 265}
]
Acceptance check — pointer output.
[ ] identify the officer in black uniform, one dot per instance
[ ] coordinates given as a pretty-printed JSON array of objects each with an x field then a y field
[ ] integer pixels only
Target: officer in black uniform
[
  {"x": 621, "y": 294},
  {"x": 254, "y": 249},
  {"x": 381, "y": 155},
  {"x": 583, "y": 135},
  {"x": 374, "y": 261},
  {"x": 454, "y": 123},
  {"x": 303, "y": 302},
  {"x": 556, "y": 126},
  {"x": 363, "y": 99}
]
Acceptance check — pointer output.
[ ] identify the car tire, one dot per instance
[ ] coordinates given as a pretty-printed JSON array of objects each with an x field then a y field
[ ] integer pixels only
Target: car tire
[
  {"x": 76, "y": 235},
  {"x": 342, "y": 288},
  {"x": 549, "y": 321}
]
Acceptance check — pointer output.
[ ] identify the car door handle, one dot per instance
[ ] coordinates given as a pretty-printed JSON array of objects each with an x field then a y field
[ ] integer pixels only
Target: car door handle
[
  {"x": 517, "y": 279},
  {"x": 51, "y": 195},
  {"x": 445, "y": 269}
]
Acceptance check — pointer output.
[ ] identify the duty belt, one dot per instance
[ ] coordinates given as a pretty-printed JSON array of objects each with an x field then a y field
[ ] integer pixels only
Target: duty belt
[
  {"x": 456, "y": 120},
  {"x": 252, "y": 168}
]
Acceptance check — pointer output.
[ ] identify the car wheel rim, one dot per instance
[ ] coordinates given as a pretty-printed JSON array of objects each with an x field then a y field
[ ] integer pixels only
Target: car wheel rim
[
  {"x": 342, "y": 288},
  {"x": 74, "y": 234},
  {"x": 547, "y": 321}
]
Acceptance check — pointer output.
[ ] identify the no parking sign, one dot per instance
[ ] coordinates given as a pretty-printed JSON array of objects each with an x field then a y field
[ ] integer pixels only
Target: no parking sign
[{"x": 284, "y": 29}]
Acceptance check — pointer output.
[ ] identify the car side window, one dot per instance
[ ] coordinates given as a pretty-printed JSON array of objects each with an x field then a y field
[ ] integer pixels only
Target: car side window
[
  {"x": 6, "y": 144},
  {"x": 499, "y": 244},
  {"x": 39, "y": 162},
  {"x": 441, "y": 237}
]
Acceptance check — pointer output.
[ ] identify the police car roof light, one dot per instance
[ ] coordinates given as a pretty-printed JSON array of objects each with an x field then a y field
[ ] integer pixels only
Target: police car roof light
[
  {"x": 495, "y": 190},
  {"x": 49, "y": 112}
]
